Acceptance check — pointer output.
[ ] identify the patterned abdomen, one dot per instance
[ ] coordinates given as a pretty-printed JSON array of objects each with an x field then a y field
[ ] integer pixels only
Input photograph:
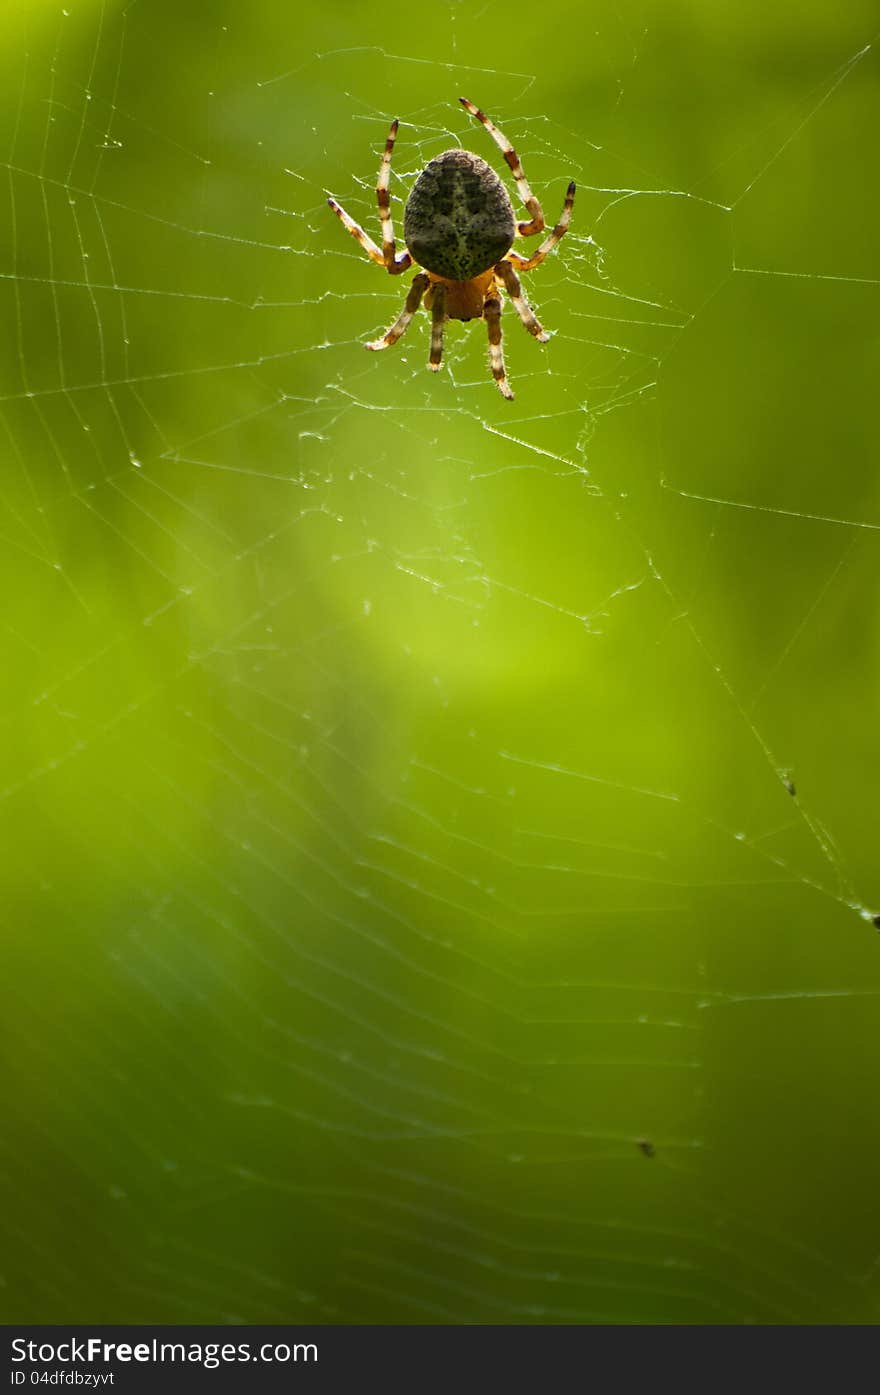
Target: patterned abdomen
[{"x": 458, "y": 219}]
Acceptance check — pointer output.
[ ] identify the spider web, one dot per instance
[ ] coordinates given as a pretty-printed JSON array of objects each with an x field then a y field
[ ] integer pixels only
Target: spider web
[{"x": 443, "y": 848}]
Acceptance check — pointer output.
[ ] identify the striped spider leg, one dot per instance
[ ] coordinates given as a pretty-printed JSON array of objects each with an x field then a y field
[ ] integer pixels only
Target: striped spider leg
[
  {"x": 511, "y": 283},
  {"x": 536, "y": 222},
  {"x": 492, "y": 316},
  {"x": 393, "y": 263},
  {"x": 505, "y": 277},
  {"x": 536, "y": 219},
  {"x": 388, "y": 256},
  {"x": 551, "y": 240}
]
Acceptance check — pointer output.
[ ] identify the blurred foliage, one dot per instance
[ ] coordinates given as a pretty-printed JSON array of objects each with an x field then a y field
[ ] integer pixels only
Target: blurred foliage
[{"x": 413, "y": 802}]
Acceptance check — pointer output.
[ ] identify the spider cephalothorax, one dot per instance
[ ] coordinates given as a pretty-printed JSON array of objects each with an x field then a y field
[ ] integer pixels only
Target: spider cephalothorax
[{"x": 459, "y": 225}]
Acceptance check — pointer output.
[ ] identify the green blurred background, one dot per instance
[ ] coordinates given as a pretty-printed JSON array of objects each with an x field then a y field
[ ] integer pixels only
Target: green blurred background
[{"x": 415, "y": 805}]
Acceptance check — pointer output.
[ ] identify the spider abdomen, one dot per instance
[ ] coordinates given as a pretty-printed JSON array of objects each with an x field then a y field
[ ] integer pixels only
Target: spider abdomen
[{"x": 458, "y": 220}]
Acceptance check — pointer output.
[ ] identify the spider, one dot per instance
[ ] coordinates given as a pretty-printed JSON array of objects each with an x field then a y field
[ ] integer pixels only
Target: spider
[{"x": 459, "y": 226}]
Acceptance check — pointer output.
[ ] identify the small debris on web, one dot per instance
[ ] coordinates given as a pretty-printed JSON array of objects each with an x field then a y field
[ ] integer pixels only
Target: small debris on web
[{"x": 646, "y": 1146}]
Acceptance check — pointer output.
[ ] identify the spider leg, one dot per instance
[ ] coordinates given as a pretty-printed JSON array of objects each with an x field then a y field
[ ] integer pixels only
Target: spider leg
[
  {"x": 492, "y": 314},
  {"x": 551, "y": 240},
  {"x": 438, "y": 316},
  {"x": 536, "y": 222},
  {"x": 358, "y": 233},
  {"x": 393, "y": 264},
  {"x": 420, "y": 284},
  {"x": 506, "y": 274},
  {"x": 388, "y": 257}
]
